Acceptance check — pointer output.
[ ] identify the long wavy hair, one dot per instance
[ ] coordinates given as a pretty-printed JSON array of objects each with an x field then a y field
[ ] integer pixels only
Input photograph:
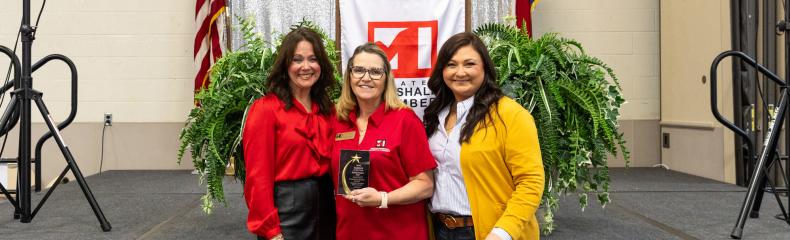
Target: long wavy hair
[
  {"x": 348, "y": 100},
  {"x": 279, "y": 80},
  {"x": 486, "y": 97}
]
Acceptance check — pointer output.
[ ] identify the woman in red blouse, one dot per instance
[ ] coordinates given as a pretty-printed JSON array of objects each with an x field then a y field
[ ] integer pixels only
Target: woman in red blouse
[
  {"x": 287, "y": 140},
  {"x": 370, "y": 117}
]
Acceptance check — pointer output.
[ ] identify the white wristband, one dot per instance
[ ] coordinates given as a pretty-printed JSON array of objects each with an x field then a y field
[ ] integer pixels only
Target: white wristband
[{"x": 383, "y": 199}]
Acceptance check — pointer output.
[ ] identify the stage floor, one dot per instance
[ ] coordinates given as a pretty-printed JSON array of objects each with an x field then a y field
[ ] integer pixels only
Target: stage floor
[{"x": 648, "y": 203}]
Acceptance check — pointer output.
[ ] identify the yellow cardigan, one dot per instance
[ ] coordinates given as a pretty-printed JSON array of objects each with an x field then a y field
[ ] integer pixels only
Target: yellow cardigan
[{"x": 503, "y": 173}]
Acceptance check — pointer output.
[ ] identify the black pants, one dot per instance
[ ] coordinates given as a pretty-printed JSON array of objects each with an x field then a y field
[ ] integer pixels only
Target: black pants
[
  {"x": 327, "y": 218},
  {"x": 443, "y": 233},
  {"x": 306, "y": 209}
]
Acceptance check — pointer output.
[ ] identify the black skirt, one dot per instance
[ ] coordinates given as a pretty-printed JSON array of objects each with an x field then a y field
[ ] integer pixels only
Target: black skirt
[{"x": 306, "y": 209}]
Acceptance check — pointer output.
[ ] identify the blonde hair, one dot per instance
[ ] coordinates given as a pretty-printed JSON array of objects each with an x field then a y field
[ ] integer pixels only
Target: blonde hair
[{"x": 348, "y": 100}]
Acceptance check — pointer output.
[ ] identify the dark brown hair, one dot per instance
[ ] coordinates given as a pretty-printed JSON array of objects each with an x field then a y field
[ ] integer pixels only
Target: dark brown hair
[
  {"x": 485, "y": 98},
  {"x": 278, "y": 80}
]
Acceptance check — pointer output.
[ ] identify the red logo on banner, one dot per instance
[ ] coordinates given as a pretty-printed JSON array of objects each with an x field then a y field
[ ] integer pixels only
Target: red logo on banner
[{"x": 414, "y": 44}]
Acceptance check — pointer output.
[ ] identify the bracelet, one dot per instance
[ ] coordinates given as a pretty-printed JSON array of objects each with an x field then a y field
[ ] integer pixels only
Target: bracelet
[{"x": 383, "y": 199}]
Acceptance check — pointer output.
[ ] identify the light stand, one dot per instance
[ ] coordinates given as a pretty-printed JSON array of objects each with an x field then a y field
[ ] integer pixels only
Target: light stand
[
  {"x": 20, "y": 106},
  {"x": 768, "y": 154}
]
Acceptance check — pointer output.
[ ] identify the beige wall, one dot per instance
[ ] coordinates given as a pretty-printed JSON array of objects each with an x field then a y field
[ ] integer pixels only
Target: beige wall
[
  {"x": 134, "y": 60},
  {"x": 622, "y": 33},
  {"x": 625, "y": 35},
  {"x": 692, "y": 33}
]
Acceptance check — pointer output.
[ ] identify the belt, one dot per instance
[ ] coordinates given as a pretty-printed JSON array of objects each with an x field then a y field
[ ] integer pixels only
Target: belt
[{"x": 452, "y": 222}]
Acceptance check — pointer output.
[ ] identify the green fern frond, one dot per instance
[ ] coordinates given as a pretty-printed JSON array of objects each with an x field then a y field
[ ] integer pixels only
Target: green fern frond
[
  {"x": 499, "y": 31},
  {"x": 585, "y": 101}
]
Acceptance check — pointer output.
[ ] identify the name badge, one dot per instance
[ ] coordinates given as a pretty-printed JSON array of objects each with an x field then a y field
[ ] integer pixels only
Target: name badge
[{"x": 345, "y": 136}]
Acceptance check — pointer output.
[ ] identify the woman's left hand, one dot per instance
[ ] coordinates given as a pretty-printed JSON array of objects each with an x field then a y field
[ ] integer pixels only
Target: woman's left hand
[{"x": 366, "y": 197}]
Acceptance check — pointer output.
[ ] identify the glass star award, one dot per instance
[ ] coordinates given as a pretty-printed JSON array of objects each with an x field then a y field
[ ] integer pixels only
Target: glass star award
[{"x": 354, "y": 170}]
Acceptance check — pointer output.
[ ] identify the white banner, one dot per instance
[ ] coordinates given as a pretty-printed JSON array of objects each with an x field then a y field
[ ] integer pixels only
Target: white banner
[{"x": 409, "y": 31}]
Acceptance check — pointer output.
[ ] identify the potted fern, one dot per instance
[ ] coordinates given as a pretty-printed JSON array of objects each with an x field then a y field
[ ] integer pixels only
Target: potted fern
[
  {"x": 213, "y": 129},
  {"x": 575, "y": 106}
]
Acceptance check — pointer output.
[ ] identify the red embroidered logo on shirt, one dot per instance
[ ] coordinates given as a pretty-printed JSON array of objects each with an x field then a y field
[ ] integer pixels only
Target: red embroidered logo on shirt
[{"x": 381, "y": 146}]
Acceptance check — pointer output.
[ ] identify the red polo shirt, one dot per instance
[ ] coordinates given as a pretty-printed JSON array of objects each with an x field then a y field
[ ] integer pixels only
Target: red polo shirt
[
  {"x": 280, "y": 145},
  {"x": 398, "y": 150}
]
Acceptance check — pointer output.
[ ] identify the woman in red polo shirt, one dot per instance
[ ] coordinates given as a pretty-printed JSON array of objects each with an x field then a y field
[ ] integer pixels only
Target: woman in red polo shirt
[
  {"x": 372, "y": 118},
  {"x": 287, "y": 139}
]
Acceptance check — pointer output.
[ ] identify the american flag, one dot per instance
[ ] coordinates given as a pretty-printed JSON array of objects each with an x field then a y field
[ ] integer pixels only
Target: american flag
[
  {"x": 524, "y": 10},
  {"x": 207, "y": 39}
]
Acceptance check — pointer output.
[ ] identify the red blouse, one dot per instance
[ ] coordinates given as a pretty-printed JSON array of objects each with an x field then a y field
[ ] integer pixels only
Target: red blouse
[
  {"x": 280, "y": 145},
  {"x": 398, "y": 150}
]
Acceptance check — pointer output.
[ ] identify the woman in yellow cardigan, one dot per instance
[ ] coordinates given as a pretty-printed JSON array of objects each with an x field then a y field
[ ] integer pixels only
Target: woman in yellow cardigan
[{"x": 489, "y": 178}]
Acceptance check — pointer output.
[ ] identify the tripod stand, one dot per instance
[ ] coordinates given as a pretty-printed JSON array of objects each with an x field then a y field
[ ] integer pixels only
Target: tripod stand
[
  {"x": 760, "y": 176},
  {"x": 20, "y": 107}
]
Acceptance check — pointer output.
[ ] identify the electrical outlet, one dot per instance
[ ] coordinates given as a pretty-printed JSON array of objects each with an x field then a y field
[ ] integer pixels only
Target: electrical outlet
[
  {"x": 107, "y": 119},
  {"x": 665, "y": 140}
]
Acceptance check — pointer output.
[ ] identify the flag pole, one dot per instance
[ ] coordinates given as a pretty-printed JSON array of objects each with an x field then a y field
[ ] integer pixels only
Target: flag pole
[{"x": 228, "y": 26}]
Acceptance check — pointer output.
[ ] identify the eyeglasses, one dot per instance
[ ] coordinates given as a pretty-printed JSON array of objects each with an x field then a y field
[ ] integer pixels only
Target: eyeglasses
[{"x": 374, "y": 73}]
